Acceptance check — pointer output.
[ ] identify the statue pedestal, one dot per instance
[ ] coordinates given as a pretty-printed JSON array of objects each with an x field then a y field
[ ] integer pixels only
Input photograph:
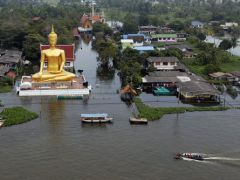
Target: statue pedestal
[{"x": 74, "y": 88}]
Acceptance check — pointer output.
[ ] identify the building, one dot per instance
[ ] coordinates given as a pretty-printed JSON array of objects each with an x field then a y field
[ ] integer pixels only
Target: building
[
  {"x": 85, "y": 24},
  {"x": 182, "y": 36},
  {"x": 147, "y": 30},
  {"x": 229, "y": 25},
  {"x": 127, "y": 43},
  {"x": 163, "y": 63},
  {"x": 10, "y": 58},
  {"x": 69, "y": 54},
  {"x": 164, "y": 38},
  {"x": 138, "y": 39},
  {"x": 197, "y": 24},
  {"x": 143, "y": 49}
]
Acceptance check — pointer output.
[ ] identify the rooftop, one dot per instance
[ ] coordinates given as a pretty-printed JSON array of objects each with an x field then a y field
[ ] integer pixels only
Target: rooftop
[
  {"x": 10, "y": 56},
  {"x": 164, "y": 36},
  {"x": 144, "y": 48},
  {"x": 162, "y": 59}
]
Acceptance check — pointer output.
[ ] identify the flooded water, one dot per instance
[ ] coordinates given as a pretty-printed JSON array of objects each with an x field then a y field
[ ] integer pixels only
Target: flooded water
[
  {"x": 215, "y": 40},
  {"x": 58, "y": 146}
]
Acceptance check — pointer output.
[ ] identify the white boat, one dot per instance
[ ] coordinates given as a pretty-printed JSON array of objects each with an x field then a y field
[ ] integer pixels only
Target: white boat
[
  {"x": 96, "y": 118},
  {"x": 134, "y": 120}
]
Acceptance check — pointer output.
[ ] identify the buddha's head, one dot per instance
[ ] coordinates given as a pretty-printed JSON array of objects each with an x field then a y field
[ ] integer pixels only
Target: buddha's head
[{"x": 52, "y": 38}]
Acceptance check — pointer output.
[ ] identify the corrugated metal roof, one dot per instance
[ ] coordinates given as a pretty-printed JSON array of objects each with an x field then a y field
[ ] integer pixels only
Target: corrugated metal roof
[{"x": 162, "y": 59}]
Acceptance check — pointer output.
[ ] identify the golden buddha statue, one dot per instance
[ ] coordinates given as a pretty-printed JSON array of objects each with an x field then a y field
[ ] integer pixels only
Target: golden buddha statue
[{"x": 56, "y": 60}]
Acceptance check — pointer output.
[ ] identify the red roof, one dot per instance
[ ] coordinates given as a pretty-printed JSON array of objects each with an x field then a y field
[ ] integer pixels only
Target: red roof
[
  {"x": 69, "y": 50},
  {"x": 11, "y": 74},
  {"x": 96, "y": 18},
  {"x": 36, "y": 18}
]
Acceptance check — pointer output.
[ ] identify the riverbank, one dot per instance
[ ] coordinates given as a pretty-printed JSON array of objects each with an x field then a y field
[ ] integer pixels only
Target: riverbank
[
  {"x": 17, "y": 115},
  {"x": 152, "y": 113}
]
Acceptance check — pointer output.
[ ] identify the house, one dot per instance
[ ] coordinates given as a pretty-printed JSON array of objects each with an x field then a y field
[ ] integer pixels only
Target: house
[
  {"x": 165, "y": 30},
  {"x": 147, "y": 30},
  {"x": 182, "y": 36},
  {"x": 181, "y": 47},
  {"x": 36, "y": 18},
  {"x": 196, "y": 90},
  {"x": 10, "y": 58},
  {"x": 143, "y": 49},
  {"x": 127, "y": 43},
  {"x": 163, "y": 78},
  {"x": 163, "y": 63},
  {"x": 164, "y": 38},
  {"x": 221, "y": 76},
  {"x": 138, "y": 39},
  {"x": 190, "y": 54},
  {"x": 197, "y": 24},
  {"x": 69, "y": 54},
  {"x": 229, "y": 25}
]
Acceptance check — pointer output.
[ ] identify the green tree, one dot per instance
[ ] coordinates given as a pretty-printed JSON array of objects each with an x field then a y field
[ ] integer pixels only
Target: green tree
[{"x": 225, "y": 44}]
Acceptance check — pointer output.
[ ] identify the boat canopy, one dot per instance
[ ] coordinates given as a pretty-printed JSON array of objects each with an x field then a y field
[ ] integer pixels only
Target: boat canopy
[{"x": 94, "y": 115}]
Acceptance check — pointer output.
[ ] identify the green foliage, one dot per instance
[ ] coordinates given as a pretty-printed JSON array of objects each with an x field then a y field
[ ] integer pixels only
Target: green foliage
[
  {"x": 225, "y": 44},
  {"x": 17, "y": 115},
  {"x": 210, "y": 68},
  {"x": 5, "y": 88},
  {"x": 152, "y": 113},
  {"x": 130, "y": 24},
  {"x": 100, "y": 27}
]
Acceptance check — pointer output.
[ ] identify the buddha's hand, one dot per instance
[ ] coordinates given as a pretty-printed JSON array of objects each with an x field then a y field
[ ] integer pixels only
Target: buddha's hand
[{"x": 40, "y": 73}]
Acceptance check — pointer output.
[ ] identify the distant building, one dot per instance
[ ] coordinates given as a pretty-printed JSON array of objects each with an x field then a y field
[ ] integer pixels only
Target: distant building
[
  {"x": 164, "y": 38},
  {"x": 147, "y": 30},
  {"x": 138, "y": 39},
  {"x": 197, "y": 24},
  {"x": 163, "y": 63},
  {"x": 10, "y": 58},
  {"x": 143, "y": 49},
  {"x": 127, "y": 43},
  {"x": 69, "y": 54},
  {"x": 229, "y": 25}
]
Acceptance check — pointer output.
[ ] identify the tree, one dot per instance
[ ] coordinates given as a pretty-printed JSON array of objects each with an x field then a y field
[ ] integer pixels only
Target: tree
[
  {"x": 225, "y": 44},
  {"x": 130, "y": 25},
  {"x": 31, "y": 47},
  {"x": 201, "y": 36}
]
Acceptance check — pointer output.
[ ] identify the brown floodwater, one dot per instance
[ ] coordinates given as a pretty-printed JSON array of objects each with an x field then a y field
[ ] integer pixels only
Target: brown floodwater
[{"x": 58, "y": 146}]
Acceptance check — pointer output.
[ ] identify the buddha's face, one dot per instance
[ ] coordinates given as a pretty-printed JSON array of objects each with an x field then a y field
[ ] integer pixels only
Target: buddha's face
[{"x": 52, "y": 40}]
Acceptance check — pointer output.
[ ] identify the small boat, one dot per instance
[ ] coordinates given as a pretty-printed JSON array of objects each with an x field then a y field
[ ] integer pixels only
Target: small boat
[
  {"x": 194, "y": 156},
  {"x": 134, "y": 120},
  {"x": 96, "y": 118}
]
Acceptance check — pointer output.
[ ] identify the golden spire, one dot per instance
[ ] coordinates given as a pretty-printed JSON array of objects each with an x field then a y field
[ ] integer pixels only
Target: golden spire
[{"x": 52, "y": 34}]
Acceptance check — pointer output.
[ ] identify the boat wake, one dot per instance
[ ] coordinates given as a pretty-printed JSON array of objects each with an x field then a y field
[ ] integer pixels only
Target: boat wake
[{"x": 222, "y": 158}]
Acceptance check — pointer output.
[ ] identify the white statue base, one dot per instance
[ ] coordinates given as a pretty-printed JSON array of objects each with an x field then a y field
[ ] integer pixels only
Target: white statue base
[{"x": 75, "y": 88}]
